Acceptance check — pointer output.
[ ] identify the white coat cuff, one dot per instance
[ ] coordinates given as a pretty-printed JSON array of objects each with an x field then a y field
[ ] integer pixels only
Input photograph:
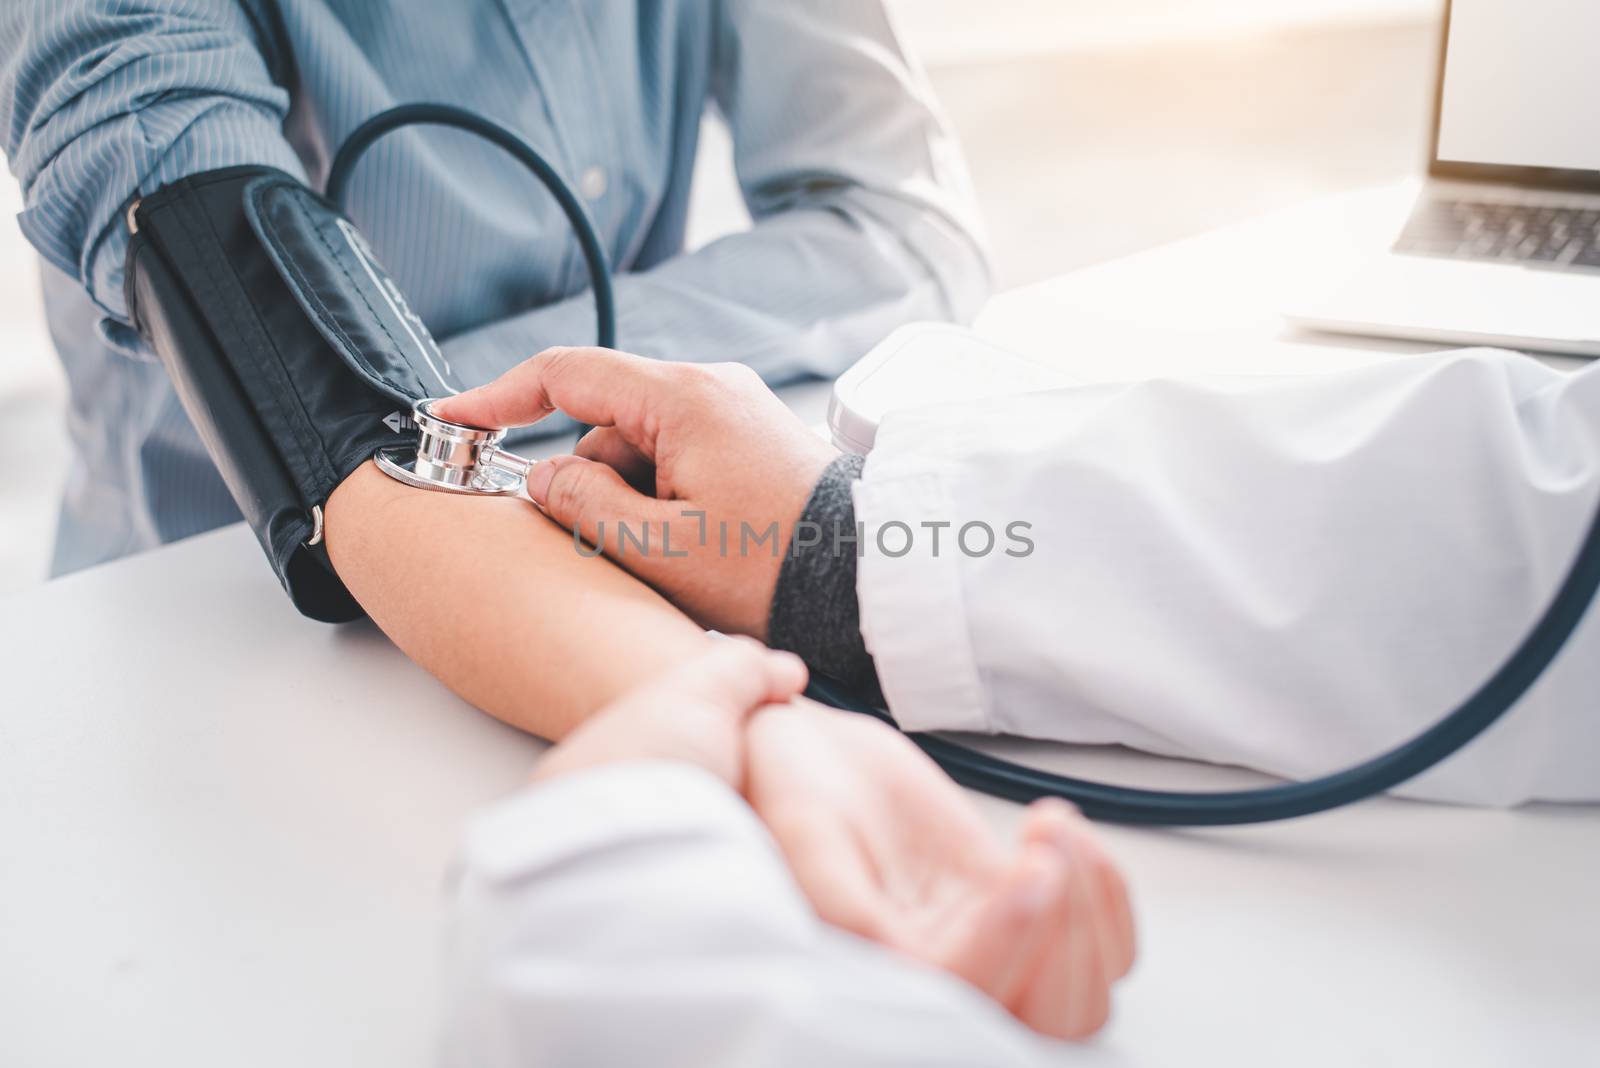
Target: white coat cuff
[
  {"x": 604, "y": 807},
  {"x": 913, "y": 615}
]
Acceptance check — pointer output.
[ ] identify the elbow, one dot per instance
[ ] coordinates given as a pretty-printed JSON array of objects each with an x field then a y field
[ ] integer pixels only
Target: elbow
[
  {"x": 96, "y": 105},
  {"x": 948, "y": 262},
  {"x": 965, "y": 278},
  {"x": 954, "y": 256}
]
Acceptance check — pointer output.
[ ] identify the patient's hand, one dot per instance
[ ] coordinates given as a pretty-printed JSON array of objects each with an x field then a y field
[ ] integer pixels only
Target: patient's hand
[
  {"x": 886, "y": 846},
  {"x": 879, "y": 840}
]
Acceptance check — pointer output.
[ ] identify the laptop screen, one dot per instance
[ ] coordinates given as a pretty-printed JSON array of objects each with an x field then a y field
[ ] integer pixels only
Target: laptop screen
[{"x": 1521, "y": 85}]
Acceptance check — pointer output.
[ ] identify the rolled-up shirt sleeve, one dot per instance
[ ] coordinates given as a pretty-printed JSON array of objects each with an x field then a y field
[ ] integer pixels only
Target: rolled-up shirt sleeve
[
  {"x": 864, "y": 215},
  {"x": 638, "y": 913},
  {"x": 102, "y": 101}
]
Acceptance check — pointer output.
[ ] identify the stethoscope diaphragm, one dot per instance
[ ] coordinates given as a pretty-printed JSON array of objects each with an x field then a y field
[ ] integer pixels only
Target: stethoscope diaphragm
[{"x": 455, "y": 458}]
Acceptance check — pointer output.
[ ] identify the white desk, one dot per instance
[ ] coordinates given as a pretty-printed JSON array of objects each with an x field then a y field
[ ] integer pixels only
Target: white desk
[{"x": 222, "y": 829}]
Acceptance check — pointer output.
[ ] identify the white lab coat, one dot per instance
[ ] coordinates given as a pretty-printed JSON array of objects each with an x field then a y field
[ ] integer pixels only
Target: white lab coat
[
  {"x": 1288, "y": 574},
  {"x": 639, "y": 914}
]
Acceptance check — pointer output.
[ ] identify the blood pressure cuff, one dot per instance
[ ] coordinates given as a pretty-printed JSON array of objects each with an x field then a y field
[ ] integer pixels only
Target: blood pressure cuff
[{"x": 292, "y": 350}]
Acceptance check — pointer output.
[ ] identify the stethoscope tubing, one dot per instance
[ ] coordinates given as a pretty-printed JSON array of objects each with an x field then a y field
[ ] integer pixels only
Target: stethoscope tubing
[{"x": 594, "y": 253}]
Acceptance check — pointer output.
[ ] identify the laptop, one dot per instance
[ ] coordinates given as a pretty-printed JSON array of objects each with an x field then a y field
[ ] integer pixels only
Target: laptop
[{"x": 1503, "y": 244}]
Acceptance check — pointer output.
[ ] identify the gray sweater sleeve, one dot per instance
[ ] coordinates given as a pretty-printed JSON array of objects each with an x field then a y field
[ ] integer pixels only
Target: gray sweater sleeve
[{"x": 815, "y": 613}]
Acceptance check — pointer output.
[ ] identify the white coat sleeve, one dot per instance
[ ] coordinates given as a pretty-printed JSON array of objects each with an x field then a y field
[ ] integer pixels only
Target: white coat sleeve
[
  {"x": 638, "y": 914},
  {"x": 1289, "y": 574}
]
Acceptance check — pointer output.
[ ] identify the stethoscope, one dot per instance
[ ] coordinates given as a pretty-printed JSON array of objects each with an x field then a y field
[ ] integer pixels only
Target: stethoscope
[{"x": 453, "y": 458}]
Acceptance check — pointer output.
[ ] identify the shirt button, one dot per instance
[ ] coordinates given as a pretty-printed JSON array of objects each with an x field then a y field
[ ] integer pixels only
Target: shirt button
[{"x": 593, "y": 183}]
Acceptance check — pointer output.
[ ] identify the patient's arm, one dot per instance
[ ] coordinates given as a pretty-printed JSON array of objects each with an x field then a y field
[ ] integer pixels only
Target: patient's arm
[{"x": 494, "y": 600}]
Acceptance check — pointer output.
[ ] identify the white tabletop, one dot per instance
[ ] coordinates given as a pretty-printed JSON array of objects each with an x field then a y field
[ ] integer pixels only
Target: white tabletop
[{"x": 223, "y": 828}]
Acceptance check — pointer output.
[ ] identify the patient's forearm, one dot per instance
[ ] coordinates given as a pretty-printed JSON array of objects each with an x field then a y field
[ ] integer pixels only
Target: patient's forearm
[{"x": 492, "y": 598}]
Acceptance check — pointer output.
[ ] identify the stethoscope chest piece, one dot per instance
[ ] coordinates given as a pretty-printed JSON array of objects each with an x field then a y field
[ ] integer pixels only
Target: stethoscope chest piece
[{"x": 454, "y": 458}]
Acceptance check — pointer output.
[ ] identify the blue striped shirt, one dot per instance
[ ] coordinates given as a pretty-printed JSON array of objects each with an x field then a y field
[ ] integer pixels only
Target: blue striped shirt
[{"x": 862, "y": 213}]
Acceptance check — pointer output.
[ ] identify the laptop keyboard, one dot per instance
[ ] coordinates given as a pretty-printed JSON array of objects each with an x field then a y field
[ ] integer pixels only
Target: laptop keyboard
[{"x": 1562, "y": 238}]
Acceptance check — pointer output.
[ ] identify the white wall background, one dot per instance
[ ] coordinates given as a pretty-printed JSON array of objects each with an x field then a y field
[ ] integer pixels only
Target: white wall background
[
  {"x": 965, "y": 31},
  {"x": 956, "y": 37}
]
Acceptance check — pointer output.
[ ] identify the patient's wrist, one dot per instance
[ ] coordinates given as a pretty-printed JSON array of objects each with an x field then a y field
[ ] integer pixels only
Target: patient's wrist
[{"x": 815, "y": 612}]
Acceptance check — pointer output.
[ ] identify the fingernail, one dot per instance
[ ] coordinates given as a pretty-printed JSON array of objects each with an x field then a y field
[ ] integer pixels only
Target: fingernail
[
  {"x": 1039, "y": 882},
  {"x": 1058, "y": 805},
  {"x": 538, "y": 483},
  {"x": 792, "y": 665},
  {"x": 793, "y": 659}
]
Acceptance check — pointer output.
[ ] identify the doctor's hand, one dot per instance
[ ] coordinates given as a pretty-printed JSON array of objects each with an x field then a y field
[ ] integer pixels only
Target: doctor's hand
[
  {"x": 695, "y": 714},
  {"x": 692, "y": 480},
  {"x": 886, "y": 846}
]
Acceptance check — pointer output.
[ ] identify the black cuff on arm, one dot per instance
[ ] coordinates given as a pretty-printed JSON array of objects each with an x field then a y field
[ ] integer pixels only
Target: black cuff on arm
[
  {"x": 292, "y": 351},
  {"x": 815, "y": 610}
]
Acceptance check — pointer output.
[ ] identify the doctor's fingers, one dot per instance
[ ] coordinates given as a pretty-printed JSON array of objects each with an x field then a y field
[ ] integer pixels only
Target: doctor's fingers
[
  {"x": 736, "y": 675},
  {"x": 594, "y": 502},
  {"x": 601, "y": 387},
  {"x": 606, "y": 445}
]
